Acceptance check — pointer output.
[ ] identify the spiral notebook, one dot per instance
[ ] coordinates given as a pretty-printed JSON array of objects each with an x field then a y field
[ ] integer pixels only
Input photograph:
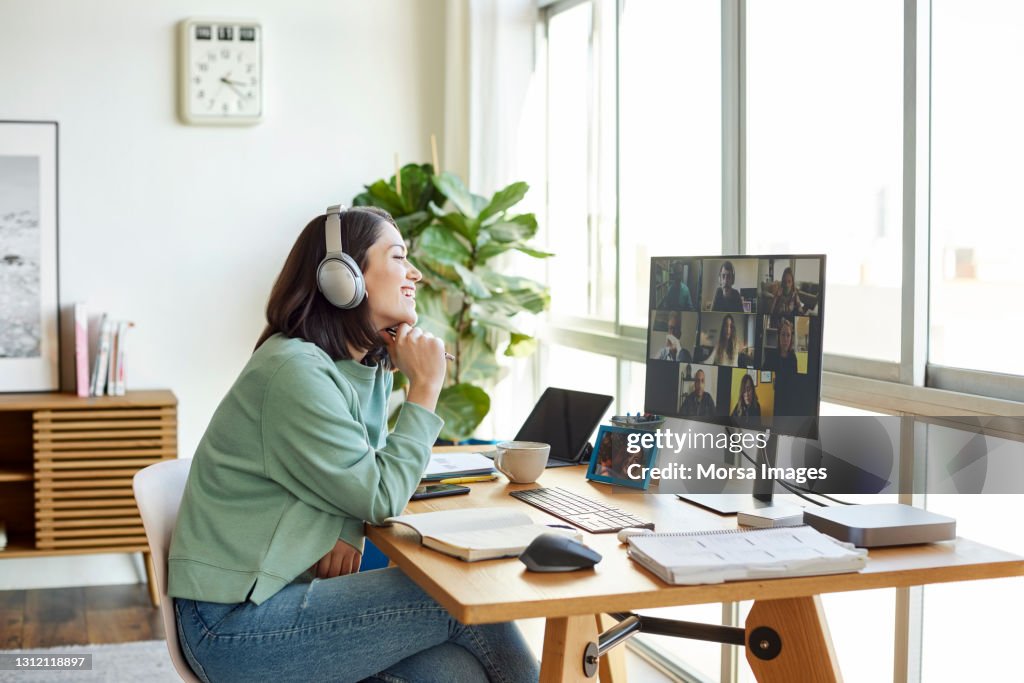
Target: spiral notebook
[{"x": 700, "y": 557}]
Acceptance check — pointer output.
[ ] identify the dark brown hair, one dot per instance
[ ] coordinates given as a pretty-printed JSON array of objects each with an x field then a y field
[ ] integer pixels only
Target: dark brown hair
[{"x": 296, "y": 307}]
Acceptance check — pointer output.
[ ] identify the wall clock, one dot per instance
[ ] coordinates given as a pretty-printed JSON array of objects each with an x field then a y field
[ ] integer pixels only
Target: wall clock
[{"x": 220, "y": 71}]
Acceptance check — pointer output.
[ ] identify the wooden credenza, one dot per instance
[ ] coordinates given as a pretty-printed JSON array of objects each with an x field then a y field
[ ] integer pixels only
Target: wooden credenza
[{"x": 66, "y": 467}]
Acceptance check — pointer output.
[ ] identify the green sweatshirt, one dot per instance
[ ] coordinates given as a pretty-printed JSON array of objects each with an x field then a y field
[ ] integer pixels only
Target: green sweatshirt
[{"x": 297, "y": 456}]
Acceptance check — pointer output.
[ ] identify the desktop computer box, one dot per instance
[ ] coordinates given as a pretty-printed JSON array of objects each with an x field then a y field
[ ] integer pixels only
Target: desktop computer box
[{"x": 881, "y": 525}]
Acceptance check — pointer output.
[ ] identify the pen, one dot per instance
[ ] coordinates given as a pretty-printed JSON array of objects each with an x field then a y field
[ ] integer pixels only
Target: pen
[{"x": 469, "y": 480}]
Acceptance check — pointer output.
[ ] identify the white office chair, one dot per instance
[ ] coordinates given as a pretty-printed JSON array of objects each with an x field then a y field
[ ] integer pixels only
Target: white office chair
[{"x": 158, "y": 490}]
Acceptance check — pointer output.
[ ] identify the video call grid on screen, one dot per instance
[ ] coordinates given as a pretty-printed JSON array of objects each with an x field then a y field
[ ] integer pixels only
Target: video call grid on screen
[{"x": 735, "y": 340}]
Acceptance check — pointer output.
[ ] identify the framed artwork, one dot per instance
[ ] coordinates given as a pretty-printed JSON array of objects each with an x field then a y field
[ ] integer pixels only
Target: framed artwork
[
  {"x": 615, "y": 461},
  {"x": 28, "y": 256}
]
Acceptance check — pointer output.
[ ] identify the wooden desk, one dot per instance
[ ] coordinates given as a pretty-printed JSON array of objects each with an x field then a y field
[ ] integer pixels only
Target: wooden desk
[{"x": 502, "y": 590}]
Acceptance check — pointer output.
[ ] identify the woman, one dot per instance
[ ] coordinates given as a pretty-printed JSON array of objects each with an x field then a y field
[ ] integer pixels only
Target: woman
[
  {"x": 295, "y": 459},
  {"x": 727, "y": 298},
  {"x": 727, "y": 350},
  {"x": 787, "y": 300},
  {"x": 747, "y": 405},
  {"x": 783, "y": 359}
]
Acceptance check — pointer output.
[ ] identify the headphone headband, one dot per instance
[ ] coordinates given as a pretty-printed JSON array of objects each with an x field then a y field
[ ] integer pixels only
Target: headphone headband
[{"x": 333, "y": 229}]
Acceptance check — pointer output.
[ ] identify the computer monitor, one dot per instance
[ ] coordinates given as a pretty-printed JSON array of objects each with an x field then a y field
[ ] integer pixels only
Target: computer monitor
[{"x": 737, "y": 341}]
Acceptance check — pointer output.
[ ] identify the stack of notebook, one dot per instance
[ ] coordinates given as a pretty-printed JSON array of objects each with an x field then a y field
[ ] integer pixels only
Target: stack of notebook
[
  {"x": 448, "y": 465},
  {"x": 737, "y": 554}
]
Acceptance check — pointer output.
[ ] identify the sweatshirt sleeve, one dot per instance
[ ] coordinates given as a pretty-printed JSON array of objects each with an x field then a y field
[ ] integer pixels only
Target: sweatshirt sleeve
[{"x": 316, "y": 448}]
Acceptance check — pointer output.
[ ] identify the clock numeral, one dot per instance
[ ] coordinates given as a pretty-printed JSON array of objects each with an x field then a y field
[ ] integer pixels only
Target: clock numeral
[
  {"x": 197, "y": 80},
  {"x": 253, "y": 81},
  {"x": 247, "y": 33},
  {"x": 225, "y": 107},
  {"x": 240, "y": 57},
  {"x": 201, "y": 94},
  {"x": 203, "y": 67},
  {"x": 203, "y": 33},
  {"x": 225, "y": 53},
  {"x": 250, "y": 94},
  {"x": 225, "y": 33},
  {"x": 249, "y": 68}
]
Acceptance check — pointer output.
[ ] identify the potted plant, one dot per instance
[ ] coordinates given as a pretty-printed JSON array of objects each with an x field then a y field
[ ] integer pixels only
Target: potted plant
[{"x": 452, "y": 236}]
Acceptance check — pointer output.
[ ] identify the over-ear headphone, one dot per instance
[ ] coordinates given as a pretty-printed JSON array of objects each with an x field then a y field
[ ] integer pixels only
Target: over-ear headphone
[{"x": 338, "y": 276}]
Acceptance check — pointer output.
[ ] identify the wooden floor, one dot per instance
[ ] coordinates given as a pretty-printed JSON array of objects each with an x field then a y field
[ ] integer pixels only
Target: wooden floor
[{"x": 77, "y": 616}]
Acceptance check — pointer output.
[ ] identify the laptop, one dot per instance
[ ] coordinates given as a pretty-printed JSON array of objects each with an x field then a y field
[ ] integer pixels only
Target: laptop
[{"x": 565, "y": 419}]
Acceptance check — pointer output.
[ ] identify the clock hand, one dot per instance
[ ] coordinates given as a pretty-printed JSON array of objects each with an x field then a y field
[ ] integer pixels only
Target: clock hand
[{"x": 231, "y": 85}]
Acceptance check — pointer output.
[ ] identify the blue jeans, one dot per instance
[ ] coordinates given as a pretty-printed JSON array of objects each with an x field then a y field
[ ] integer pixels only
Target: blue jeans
[{"x": 377, "y": 626}]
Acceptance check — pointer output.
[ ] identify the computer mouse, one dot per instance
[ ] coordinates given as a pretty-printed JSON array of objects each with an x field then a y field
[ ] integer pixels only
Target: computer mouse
[
  {"x": 558, "y": 553},
  {"x": 624, "y": 534}
]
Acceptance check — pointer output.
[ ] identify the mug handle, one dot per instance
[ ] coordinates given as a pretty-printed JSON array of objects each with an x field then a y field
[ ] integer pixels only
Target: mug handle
[{"x": 498, "y": 458}]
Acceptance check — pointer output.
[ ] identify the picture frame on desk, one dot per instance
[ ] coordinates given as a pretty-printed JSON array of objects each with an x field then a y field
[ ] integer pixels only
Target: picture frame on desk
[
  {"x": 29, "y": 301},
  {"x": 612, "y": 462}
]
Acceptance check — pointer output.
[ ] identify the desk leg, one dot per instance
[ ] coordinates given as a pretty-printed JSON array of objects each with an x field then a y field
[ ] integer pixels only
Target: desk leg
[
  {"x": 565, "y": 640},
  {"x": 807, "y": 654}
]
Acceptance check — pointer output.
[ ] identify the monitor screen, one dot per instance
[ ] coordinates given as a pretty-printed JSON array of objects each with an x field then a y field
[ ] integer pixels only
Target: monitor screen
[{"x": 736, "y": 340}]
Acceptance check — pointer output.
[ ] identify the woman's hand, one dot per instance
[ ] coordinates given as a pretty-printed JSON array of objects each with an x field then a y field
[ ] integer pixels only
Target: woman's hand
[
  {"x": 420, "y": 357},
  {"x": 343, "y": 559}
]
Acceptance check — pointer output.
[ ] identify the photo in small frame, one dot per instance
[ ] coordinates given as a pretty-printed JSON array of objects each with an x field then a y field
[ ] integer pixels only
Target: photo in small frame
[{"x": 613, "y": 463}]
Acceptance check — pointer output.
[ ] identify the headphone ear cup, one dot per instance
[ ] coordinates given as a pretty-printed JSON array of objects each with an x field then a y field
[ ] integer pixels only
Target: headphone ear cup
[{"x": 340, "y": 281}]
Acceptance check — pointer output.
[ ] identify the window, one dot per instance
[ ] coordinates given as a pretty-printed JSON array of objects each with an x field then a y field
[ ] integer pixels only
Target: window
[
  {"x": 670, "y": 136},
  {"x": 977, "y": 282},
  {"x": 824, "y": 156}
]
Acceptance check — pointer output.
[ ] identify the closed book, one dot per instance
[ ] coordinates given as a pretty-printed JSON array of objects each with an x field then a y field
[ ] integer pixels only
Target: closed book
[
  {"x": 99, "y": 366},
  {"x": 705, "y": 557},
  {"x": 477, "y": 533},
  {"x": 81, "y": 325},
  {"x": 3, "y": 535},
  {"x": 122, "y": 336},
  {"x": 448, "y": 465}
]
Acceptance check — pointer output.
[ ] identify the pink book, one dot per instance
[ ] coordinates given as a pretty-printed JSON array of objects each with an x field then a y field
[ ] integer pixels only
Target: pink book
[{"x": 81, "y": 323}]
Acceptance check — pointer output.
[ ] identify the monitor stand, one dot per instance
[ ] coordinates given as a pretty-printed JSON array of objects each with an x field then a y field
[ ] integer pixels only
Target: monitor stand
[{"x": 731, "y": 503}]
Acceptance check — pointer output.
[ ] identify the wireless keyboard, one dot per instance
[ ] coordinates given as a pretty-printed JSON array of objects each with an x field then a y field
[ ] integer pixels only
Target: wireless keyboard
[{"x": 587, "y": 514}]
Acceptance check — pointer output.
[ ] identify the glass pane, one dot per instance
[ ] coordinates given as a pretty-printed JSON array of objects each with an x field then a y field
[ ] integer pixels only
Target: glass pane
[
  {"x": 670, "y": 153},
  {"x": 977, "y": 139},
  {"x": 580, "y": 205},
  {"x": 570, "y": 368},
  {"x": 824, "y": 151}
]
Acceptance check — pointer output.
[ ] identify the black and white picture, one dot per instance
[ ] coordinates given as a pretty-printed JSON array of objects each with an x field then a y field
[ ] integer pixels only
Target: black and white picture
[{"x": 28, "y": 256}]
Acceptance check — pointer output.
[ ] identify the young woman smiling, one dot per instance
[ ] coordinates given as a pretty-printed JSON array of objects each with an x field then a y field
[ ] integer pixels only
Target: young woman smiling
[{"x": 264, "y": 559}]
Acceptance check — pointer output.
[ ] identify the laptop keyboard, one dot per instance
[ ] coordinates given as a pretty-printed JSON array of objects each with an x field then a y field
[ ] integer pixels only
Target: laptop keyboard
[{"x": 587, "y": 514}]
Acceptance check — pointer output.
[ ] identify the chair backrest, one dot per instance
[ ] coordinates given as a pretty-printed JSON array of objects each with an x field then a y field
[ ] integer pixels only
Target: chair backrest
[{"x": 158, "y": 489}]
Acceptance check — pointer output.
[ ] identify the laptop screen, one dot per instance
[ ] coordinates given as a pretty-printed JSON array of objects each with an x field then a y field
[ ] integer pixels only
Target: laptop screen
[{"x": 565, "y": 419}]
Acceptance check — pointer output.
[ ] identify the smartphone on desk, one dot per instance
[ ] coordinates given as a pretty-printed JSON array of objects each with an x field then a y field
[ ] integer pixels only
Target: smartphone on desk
[{"x": 438, "y": 490}]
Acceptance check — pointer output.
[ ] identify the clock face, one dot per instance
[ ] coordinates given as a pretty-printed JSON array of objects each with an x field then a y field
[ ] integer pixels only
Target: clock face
[{"x": 222, "y": 72}]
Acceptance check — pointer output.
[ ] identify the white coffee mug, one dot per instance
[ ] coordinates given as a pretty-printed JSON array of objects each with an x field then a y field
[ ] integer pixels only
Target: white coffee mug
[{"x": 522, "y": 461}]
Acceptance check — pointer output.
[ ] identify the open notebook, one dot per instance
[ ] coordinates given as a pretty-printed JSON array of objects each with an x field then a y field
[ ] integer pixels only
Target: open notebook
[
  {"x": 736, "y": 554},
  {"x": 477, "y": 533}
]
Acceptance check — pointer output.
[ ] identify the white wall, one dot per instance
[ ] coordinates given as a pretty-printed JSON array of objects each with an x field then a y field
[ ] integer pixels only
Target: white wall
[{"x": 182, "y": 229}]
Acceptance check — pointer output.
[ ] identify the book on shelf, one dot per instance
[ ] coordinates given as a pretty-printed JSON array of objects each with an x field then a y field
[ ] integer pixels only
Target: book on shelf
[
  {"x": 99, "y": 366},
  {"x": 74, "y": 349},
  {"x": 473, "y": 534},
  {"x": 3, "y": 535},
  {"x": 108, "y": 370},
  {"x": 702, "y": 557}
]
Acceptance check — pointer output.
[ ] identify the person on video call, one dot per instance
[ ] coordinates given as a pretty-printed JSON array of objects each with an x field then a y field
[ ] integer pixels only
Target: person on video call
[
  {"x": 728, "y": 348},
  {"x": 673, "y": 347},
  {"x": 782, "y": 361},
  {"x": 264, "y": 558},
  {"x": 747, "y": 405},
  {"x": 678, "y": 295},
  {"x": 727, "y": 298},
  {"x": 787, "y": 300},
  {"x": 698, "y": 403}
]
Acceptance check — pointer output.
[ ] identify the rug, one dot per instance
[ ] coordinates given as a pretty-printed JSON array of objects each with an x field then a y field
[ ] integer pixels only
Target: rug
[{"x": 145, "y": 660}]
